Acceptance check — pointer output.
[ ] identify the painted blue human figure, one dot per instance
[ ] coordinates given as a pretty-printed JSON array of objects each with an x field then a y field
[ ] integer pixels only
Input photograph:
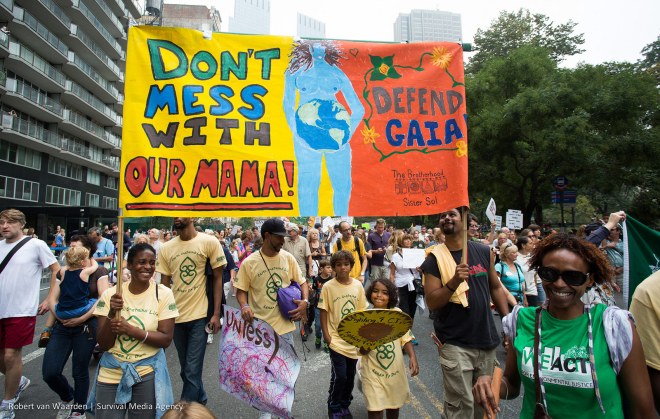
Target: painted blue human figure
[{"x": 320, "y": 124}]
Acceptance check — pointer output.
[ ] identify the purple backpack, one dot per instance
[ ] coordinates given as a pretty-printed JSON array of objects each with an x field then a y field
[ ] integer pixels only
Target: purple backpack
[{"x": 285, "y": 297}]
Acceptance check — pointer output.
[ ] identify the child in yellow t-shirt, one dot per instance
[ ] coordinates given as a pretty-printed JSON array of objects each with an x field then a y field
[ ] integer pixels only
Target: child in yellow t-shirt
[
  {"x": 339, "y": 297},
  {"x": 383, "y": 372}
]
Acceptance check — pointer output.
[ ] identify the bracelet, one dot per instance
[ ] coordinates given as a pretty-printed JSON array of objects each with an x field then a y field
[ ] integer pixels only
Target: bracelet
[
  {"x": 450, "y": 288},
  {"x": 145, "y": 337},
  {"x": 244, "y": 307}
]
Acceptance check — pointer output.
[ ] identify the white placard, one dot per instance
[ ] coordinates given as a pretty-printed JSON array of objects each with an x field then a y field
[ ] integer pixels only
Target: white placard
[
  {"x": 491, "y": 210},
  {"x": 514, "y": 219},
  {"x": 412, "y": 258},
  {"x": 498, "y": 222}
]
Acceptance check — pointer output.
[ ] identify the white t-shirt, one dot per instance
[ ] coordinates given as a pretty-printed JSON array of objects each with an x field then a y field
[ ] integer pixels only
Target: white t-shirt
[
  {"x": 20, "y": 281},
  {"x": 402, "y": 276}
]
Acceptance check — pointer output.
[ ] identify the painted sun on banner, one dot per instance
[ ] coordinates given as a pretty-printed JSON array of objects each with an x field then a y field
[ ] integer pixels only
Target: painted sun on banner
[{"x": 238, "y": 124}]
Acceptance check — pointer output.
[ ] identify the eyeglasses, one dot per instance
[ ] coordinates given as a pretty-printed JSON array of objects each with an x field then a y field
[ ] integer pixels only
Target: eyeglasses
[{"x": 572, "y": 278}]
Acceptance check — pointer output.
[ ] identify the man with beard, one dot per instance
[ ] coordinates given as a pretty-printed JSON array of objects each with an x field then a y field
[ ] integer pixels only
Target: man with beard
[
  {"x": 181, "y": 263},
  {"x": 260, "y": 276},
  {"x": 464, "y": 323}
]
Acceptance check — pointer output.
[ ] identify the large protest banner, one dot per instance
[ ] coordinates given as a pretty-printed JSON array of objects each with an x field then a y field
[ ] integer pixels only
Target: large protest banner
[
  {"x": 256, "y": 365},
  {"x": 237, "y": 124}
]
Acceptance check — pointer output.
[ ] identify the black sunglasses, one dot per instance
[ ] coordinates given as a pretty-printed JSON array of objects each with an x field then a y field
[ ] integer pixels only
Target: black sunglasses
[{"x": 572, "y": 278}]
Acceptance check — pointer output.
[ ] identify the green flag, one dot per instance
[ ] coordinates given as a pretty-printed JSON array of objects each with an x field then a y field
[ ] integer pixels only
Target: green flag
[{"x": 641, "y": 256}]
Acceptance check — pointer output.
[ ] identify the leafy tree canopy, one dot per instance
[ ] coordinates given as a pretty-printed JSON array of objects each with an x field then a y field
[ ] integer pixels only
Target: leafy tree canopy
[{"x": 512, "y": 30}]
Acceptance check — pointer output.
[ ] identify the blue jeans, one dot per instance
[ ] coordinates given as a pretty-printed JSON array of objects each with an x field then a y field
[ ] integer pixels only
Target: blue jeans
[
  {"x": 317, "y": 323},
  {"x": 64, "y": 340},
  {"x": 541, "y": 297},
  {"x": 190, "y": 342},
  {"x": 342, "y": 380}
]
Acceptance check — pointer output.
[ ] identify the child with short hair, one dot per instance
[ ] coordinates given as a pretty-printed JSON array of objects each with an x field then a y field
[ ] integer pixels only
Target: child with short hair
[
  {"x": 74, "y": 298},
  {"x": 339, "y": 297},
  {"x": 325, "y": 275},
  {"x": 384, "y": 384}
]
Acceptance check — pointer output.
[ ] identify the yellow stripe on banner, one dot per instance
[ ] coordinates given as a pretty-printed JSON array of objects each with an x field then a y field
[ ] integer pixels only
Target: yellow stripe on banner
[
  {"x": 418, "y": 407},
  {"x": 429, "y": 394}
]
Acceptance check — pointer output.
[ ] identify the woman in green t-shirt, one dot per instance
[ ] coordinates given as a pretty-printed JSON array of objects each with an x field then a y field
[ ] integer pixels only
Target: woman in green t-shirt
[{"x": 588, "y": 359}]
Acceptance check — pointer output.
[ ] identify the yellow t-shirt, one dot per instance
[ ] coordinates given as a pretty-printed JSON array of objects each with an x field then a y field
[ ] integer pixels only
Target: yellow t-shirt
[
  {"x": 143, "y": 311},
  {"x": 384, "y": 376},
  {"x": 645, "y": 307},
  {"x": 185, "y": 263},
  {"x": 261, "y": 285},
  {"x": 350, "y": 247},
  {"x": 338, "y": 300}
]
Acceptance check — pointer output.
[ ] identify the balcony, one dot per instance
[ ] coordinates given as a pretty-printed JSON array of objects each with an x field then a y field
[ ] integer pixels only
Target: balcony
[
  {"x": 52, "y": 16},
  {"x": 80, "y": 126},
  {"x": 42, "y": 41},
  {"x": 76, "y": 96},
  {"x": 23, "y": 97},
  {"x": 4, "y": 44},
  {"x": 94, "y": 28},
  {"x": 29, "y": 134},
  {"x": 73, "y": 152},
  {"x": 117, "y": 7},
  {"x": 107, "y": 17},
  {"x": 83, "y": 45},
  {"x": 84, "y": 74},
  {"x": 133, "y": 8},
  {"x": 3, "y": 78},
  {"x": 6, "y": 10},
  {"x": 22, "y": 60}
]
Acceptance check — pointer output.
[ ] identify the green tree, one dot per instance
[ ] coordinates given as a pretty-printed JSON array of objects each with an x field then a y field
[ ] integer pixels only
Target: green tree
[
  {"x": 651, "y": 61},
  {"x": 512, "y": 30},
  {"x": 531, "y": 121}
]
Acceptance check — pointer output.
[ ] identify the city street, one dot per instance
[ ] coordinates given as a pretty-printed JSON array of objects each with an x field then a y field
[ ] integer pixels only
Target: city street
[{"x": 311, "y": 388}]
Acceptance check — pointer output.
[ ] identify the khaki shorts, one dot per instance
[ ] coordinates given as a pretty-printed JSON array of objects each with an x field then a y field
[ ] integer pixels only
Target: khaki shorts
[{"x": 460, "y": 369}]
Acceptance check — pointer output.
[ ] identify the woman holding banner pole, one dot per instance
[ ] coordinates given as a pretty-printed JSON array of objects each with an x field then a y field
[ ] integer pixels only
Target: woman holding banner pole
[{"x": 136, "y": 321}]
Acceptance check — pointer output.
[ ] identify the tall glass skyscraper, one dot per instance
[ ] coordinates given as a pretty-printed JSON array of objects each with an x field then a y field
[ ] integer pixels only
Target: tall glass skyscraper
[
  {"x": 250, "y": 16},
  {"x": 428, "y": 25}
]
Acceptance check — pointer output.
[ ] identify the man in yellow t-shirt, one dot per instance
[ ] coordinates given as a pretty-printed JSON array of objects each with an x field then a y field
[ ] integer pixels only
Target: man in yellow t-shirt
[
  {"x": 348, "y": 243},
  {"x": 182, "y": 263},
  {"x": 260, "y": 276},
  {"x": 645, "y": 307}
]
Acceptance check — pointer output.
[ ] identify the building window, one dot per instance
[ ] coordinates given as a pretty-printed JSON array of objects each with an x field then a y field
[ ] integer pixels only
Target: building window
[
  {"x": 22, "y": 156},
  {"x": 111, "y": 182},
  {"x": 62, "y": 196},
  {"x": 20, "y": 189},
  {"x": 93, "y": 177},
  {"x": 91, "y": 200},
  {"x": 64, "y": 168},
  {"x": 109, "y": 203}
]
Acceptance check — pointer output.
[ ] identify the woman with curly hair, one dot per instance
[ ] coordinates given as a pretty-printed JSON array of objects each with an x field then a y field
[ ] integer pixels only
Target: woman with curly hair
[{"x": 587, "y": 360}]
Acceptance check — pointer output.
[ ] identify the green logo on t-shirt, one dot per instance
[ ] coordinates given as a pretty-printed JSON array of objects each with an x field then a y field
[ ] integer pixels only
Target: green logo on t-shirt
[
  {"x": 347, "y": 308},
  {"x": 385, "y": 355},
  {"x": 101, "y": 304},
  {"x": 172, "y": 307},
  {"x": 273, "y": 284},
  {"x": 188, "y": 270},
  {"x": 127, "y": 343}
]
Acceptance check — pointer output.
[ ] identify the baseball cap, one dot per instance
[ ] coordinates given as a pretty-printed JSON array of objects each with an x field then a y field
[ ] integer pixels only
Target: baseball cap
[{"x": 273, "y": 226}]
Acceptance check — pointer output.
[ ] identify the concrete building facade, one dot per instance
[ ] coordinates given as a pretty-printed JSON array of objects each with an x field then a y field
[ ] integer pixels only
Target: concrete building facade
[
  {"x": 251, "y": 17},
  {"x": 61, "y": 99},
  {"x": 428, "y": 25},
  {"x": 308, "y": 27}
]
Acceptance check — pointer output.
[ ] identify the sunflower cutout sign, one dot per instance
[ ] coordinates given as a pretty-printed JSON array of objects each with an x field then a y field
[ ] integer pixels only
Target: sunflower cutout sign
[{"x": 370, "y": 329}]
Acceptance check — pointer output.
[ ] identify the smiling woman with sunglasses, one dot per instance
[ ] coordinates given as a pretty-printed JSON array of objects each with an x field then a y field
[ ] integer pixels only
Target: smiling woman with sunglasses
[{"x": 577, "y": 360}]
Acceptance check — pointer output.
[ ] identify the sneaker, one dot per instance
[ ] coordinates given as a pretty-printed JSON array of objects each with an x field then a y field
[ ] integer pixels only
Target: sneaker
[
  {"x": 25, "y": 383},
  {"x": 345, "y": 413},
  {"x": 44, "y": 338},
  {"x": 209, "y": 338},
  {"x": 317, "y": 342},
  {"x": 334, "y": 415},
  {"x": 265, "y": 415},
  {"x": 64, "y": 411},
  {"x": 7, "y": 411},
  {"x": 326, "y": 348},
  {"x": 77, "y": 415}
]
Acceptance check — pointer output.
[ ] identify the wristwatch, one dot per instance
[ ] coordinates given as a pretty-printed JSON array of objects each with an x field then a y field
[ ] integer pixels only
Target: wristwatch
[{"x": 306, "y": 300}]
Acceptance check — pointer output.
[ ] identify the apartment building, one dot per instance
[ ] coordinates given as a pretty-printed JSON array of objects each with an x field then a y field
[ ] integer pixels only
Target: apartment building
[{"x": 61, "y": 100}]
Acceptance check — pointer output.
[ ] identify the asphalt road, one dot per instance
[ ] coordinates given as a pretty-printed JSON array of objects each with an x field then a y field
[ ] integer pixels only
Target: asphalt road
[{"x": 311, "y": 388}]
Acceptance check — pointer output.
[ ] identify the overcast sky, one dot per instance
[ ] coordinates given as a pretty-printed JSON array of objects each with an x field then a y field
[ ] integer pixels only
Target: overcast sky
[{"x": 614, "y": 30}]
